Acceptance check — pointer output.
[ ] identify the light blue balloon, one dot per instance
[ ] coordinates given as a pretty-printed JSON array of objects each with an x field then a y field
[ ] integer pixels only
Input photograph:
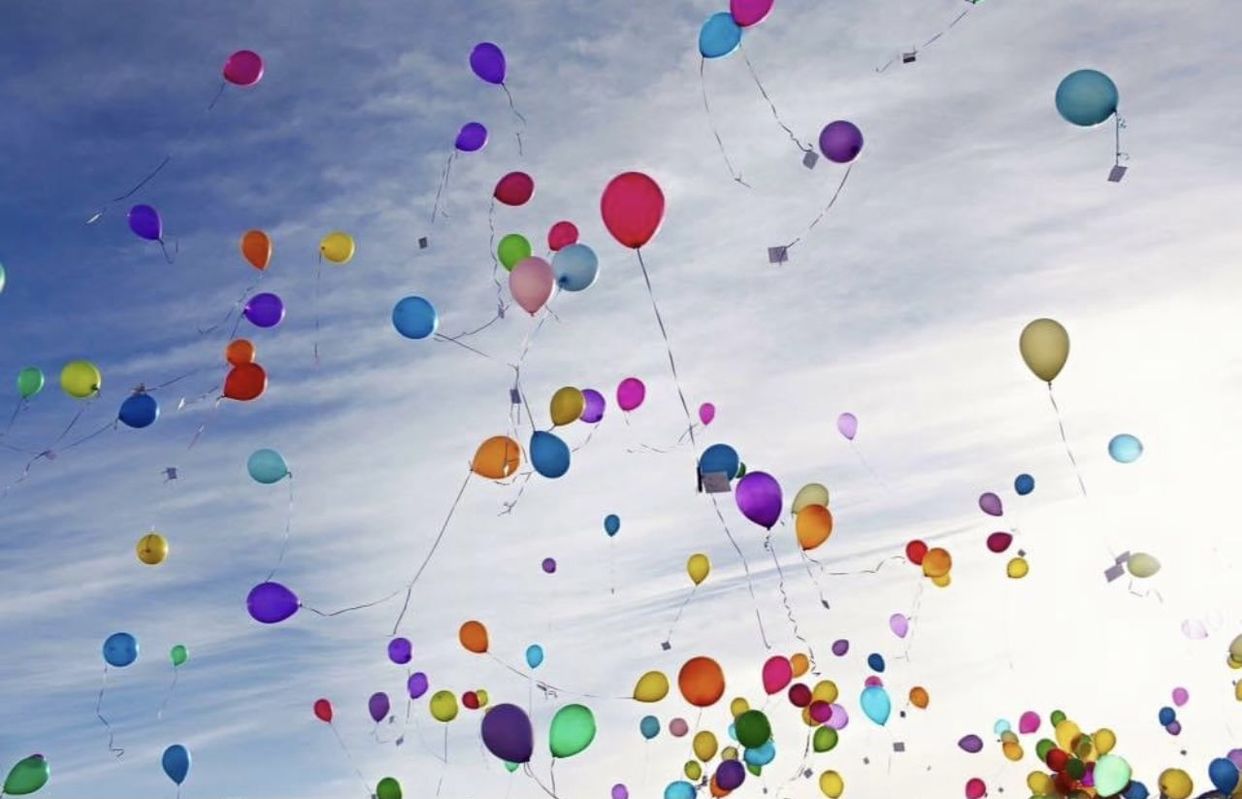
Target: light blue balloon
[
  {"x": 1000, "y": 727},
  {"x": 876, "y": 704},
  {"x": 732, "y": 731},
  {"x": 649, "y": 726},
  {"x": 176, "y": 762},
  {"x": 415, "y": 317},
  {"x": 679, "y": 790},
  {"x": 760, "y": 755},
  {"x": 548, "y": 454},
  {"x": 720, "y": 36},
  {"x": 267, "y": 466},
  {"x": 720, "y": 458},
  {"x": 1087, "y": 97},
  {"x": 534, "y": 655},
  {"x": 612, "y": 524},
  {"x": 1125, "y": 448},
  {"x": 1, "y": 278},
  {"x": 120, "y": 650},
  {"x": 576, "y": 267}
]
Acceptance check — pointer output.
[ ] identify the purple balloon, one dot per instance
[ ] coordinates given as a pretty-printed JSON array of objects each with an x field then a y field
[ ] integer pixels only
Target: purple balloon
[
  {"x": 378, "y": 706},
  {"x": 417, "y": 684},
  {"x": 400, "y": 651},
  {"x": 488, "y": 62},
  {"x": 1235, "y": 757},
  {"x": 145, "y": 222},
  {"x": 839, "y": 719},
  {"x": 990, "y": 504},
  {"x": 549, "y": 567},
  {"x": 508, "y": 734},
  {"x": 264, "y": 310},
  {"x": 970, "y": 743},
  {"x": 840, "y": 647},
  {"x": 472, "y": 137},
  {"x": 619, "y": 791},
  {"x": 593, "y": 411},
  {"x": 847, "y": 425},
  {"x": 271, "y": 603},
  {"x": 730, "y": 774},
  {"x": 899, "y": 624},
  {"x": 840, "y": 141},
  {"x": 759, "y": 499},
  {"x": 1174, "y": 728}
]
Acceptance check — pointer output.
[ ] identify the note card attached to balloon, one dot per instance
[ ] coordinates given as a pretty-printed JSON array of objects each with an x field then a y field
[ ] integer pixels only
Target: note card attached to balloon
[
  {"x": 1116, "y": 174},
  {"x": 810, "y": 159},
  {"x": 778, "y": 255},
  {"x": 716, "y": 483}
]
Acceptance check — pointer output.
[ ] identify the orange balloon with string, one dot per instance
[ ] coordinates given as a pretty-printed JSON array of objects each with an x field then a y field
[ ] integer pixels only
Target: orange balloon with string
[
  {"x": 239, "y": 351},
  {"x": 256, "y": 246},
  {"x": 813, "y": 525},
  {"x": 497, "y": 458},
  {"x": 473, "y": 636}
]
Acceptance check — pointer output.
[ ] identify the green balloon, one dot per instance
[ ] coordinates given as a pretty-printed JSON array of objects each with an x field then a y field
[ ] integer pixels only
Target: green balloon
[
  {"x": 511, "y": 767},
  {"x": 28, "y": 776},
  {"x": 741, "y": 471},
  {"x": 388, "y": 788},
  {"x": 572, "y": 730},
  {"x": 1043, "y": 748},
  {"x": 753, "y": 769},
  {"x": 30, "y": 381},
  {"x": 1075, "y": 768},
  {"x": 179, "y": 654},
  {"x": 1112, "y": 775},
  {"x": 1057, "y": 717},
  {"x": 513, "y": 249},
  {"x": 1, "y": 278},
  {"x": 753, "y": 729},
  {"x": 825, "y": 739}
]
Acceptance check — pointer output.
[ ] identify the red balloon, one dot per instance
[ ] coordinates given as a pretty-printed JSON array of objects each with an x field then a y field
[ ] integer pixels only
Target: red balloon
[
  {"x": 915, "y": 550},
  {"x": 515, "y": 188},
  {"x": 1057, "y": 759},
  {"x": 323, "y": 710},
  {"x": 562, "y": 235},
  {"x": 633, "y": 208},
  {"x": 999, "y": 541},
  {"x": 1064, "y": 783},
  {"x": 245, "y": 382},
  {"x": 471, "y": 700},
  {"x": 799, "y": 695}
]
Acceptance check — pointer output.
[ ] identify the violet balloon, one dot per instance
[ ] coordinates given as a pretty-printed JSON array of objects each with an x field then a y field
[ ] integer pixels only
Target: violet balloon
[
  {"x": 271, "y": 603},
  {"x": 707, "y": 412},
  {"x": 488, "y": 62},
  {"x": 840, "y": 141},
  {"x": 593, "y": 406},
  {"x": 508, "y": 734},
  {"x": 400, "y": 650},
  {"x": 990, "y": 504},
  {"x": 264, "y": 310},
  {"x": 145, "y": 222},
  {"x": 730, "y": 774},
  {"x": 471, "y": 138},
  {"x": 847, "y": 425},
  {"x": 759, "y": 498},
  {"x": 630, "y": 393},
  {"x": 899, "y": 624},
  {"x": 970, "y": 743},
  {"x": 840, "y": 647},
  {"x": 619, "y": 791},
  {"x": 378, "y": 706},
  {"x": 417, "y": 685},
  {"x": 839, "y": 719}
]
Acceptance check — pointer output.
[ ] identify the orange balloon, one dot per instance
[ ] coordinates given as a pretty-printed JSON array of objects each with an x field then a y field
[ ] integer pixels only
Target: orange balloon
[
  {"x": 717, "y": 791},
  {"x": 813, "y": 526},
  {"x": 257, "y": 248},
  {"x": 245, "y": 382},
  {"x": 239, "y": 351},
  {"x": 937, "y": 562},
  {"x": 800, "y": 664},
  {"x": 919, "y": 697},
  {"x": 701, "y": 681},
  {"x": 473, "y": 636},
  {"x": 497, "y": 458}
]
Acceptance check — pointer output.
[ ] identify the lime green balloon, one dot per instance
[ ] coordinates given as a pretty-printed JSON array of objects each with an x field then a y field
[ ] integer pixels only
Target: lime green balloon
[
  {"x": 27, "y": 776},
  {"x": 753, "y": 769},
  {"x": 30, "y": 381},
  {"x": 1043, "y": 748},
  {"x": 513, "y": 249},
  {"x": 572, "y": 730},
  {"x": 510, "y": 767},
  {"x": 753, "y": 729},
  {"x": 741, "y": 471},
  {"x": 388, "y": 788},
  {"x": 1057, "y": 717},
  {"x": 825, "y": 739},
  {"x": 179, "y": 654},
  {"x": 1112, "y": 775}
]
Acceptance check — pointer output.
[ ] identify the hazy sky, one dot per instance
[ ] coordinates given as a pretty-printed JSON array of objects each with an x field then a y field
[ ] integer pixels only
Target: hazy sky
[{"x": 973, "y": 209}]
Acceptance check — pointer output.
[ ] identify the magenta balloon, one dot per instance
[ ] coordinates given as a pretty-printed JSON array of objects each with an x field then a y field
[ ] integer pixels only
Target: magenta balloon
[
  {"x": 631, "y": 393},
  {"x": 750, "y": 12},
  {"x": 619, "y": 791},
  {"x": 840, "y": 141},
  {"x": 970, "y": 743},
  {"x": 471, "y": 138},
  {"x": 990, "y": 504},
  {"x": 594, "y": 404},
  {"x": 417, "y": 685},
  {"x": 244, "y": 68},
  {"x": 873, "y": 682},
  {"x": 758, "y": 497},
  {"x": 1180, "y": 696},
  {"x": 839, "y": 718},
  {"x": 1028, "y": 722},
  {"x": 999, "y": 541},
  {"x": 820, "y": 711},
  {"x": 508, "y": 734},
  {"x": 899, "y": 624},
  {"x": 847, "y": 425},
  {"x": 271, "y": 603},
  {"x": 707, "y": 412},
  {"x": 378, "y": 706}
]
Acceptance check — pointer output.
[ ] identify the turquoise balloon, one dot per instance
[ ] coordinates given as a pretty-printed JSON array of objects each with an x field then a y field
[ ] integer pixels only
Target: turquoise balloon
[
  {"x": 549, "y": 454},
  {"x": 267, "y": 466},
  {"x": 1, "y": 278},
  {"x": 719, "y": 36},
  {"x": 760, "y": 755},
  {"x": 679, "y": 790},
  {"x": 875, "y": 704},
  {"x": 1087, "y": 97},
  {"x": 649, "y": 727},
  {"x": 576, "y": 267},
  {"x": 534, "y": 655},
  {"x": 1001, "y": 726},
  {"x": 1125, "y": 448}
]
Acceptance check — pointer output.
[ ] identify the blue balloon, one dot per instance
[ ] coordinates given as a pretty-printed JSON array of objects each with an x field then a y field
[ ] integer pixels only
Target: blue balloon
[
  {"x": 176, "y": 762},
  {"x": 1024, "y": 484},
  {"x": 1125, "y": 448},
  {"x": 876, "y": 661},
  {"x": 548, "y": 454},
  {"x": 267, "y": 466},
  {"x": 720, "y": 458},
  {"x": 576, "y": 267},
  {"x": 1001, "y": 727},
  {"x": 1167, "y": 716},
  {"x": 732, "y": 731},
  {"x": 720, "y": 35},
  {"x": 876, "y": 704},
  {"x": 120, "y": 650},
  {"x": 760, "y": 755},
  {"x": 139, "y": 410},
  {"x": 612, "y": 524},
  {"x": 1223, "y": 774},
  {"x": 534, "y": 655},
  {"x": 1087, "y": 97},
  {"x": 679, "y": 790},
  {"x": 415, "y": 318},
  {"x": 649, "y": 726},
  {"x": 1135, "y": 790}
]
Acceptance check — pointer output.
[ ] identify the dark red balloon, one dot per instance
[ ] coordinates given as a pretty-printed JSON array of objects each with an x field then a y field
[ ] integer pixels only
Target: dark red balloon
[
  {"x": 799, "y": 695},
  {"x": 999, "y": 541},
  {"x": 561, "y": 235},
  {"x": 323, "y": 710},
  {"x": 1064, "y": 784},
  {"x": 471, "y": 700},
  {"x": 915, "y": 550},
  {"x": 245, "y": 382},
  {"x": 1057, "y": 759},
  {"x": 633, "y": 208},
  {"x": 515, "y": 188}
]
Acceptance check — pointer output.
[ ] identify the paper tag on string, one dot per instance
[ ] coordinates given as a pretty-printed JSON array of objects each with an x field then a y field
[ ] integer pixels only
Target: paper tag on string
[
  {"x": 1123, "y": 558},
  {"x": 1113, "y": 572},
  {"x": 810, "y": 159},
  {"x": 908, "y": 58},
  {"x": 422, "y": 243},
  {"x": 778, "y": 255},
  {"x": 515, "y": 396},
  {"x": 899, "y": 746},
  {"x": 716, "y": 483},
  {"x": 665, "y": 645},
  {"x": 1116, "y": 174}
]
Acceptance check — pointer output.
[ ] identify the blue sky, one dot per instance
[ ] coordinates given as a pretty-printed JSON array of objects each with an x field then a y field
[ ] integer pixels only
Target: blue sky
[{"x": 973, "y": 209}]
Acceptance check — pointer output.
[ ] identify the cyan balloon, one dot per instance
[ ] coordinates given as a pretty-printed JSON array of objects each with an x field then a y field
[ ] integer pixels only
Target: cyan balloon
[
  {"x": 720, "y": 458},
  {"x": 267, "y": 466},
  {"x": 649, "y": 726},
  {"x": 415, "y": 317},
  {"x": 139, "y": 410},
  {"x": 1125, "y": 448},
  {"x": 1087, "y": 97},
  {"x": 176, "y": 762},
  {"x": 576, "y": 267},
  {"x": 534, "y": 655},
  {"x": 679, "y": 790},
  {"x": 719, "y": 36},
  {"x": 760, "y": 755},
  {"x": 549, "y": 454},
  {"x": 875, "y": 704},
  {"x": 120, "y": 650}
]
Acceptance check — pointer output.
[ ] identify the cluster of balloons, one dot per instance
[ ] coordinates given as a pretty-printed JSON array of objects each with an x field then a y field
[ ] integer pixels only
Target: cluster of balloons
[
  {"x": 812, "y": 519},
  {"x": 508, "y": 734},
  {"x": 936, "y": 562}
]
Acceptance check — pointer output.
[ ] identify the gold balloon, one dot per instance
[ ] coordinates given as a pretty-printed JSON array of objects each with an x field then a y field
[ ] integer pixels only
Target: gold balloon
[
  {"x": 1235, "y": 648},
  {"x": 919, "y": 697},
  {"x": 1237, "y": 690},
  {"x": 80, "y": 379},
  {"x": 1066, "y": 732},
  {"x": 810, "y": 494},
  {"x": 704, "y": 745},
  {"x": 942, "y": 581},
  {"x": 1044, "y": 345},
  {"x": 443, "y": 706},
  {"x": 1012, "y": 750},
  {"x": 698, "y": 567},
  {"x": 1141, "y": 564},
  {"x": 738, "y": 706},
  {"x": 1039, "y": 783},
  {"x": 1104, "y": 740},
  {"x": 831, "y": 784},
  {"x": 152, "y": 548},
  {"x": 337, "y": 247},
  {"x": 567, "y": 405},
  {"x": 693, "y": 770},
  {"x": 1017, "y": 568},
  {"x": 651, "y": 687},
  {"x": 1175, "y": 783},
  {"x": 824, "y": 691},
  {"x": 1233, "y": 662}
]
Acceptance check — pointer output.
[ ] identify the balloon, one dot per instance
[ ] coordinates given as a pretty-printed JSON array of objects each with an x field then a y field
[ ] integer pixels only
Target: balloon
[
  {"x": 919, "y": 697},
  {"x": 1017, "y": 568},
  {"x": 593, "y": 406},
  {"x": 378, "y": 706},
  {"x": 719, "y": 36},
  {"x": 1175, "y": 783},
  {"x": 400, "y": 651},
  {"x": 256, "y": 248},
  {"x": 612, "y": 524},
  {"x": 271, "y": 603},
  {"x": 838, "y": 719},
  {"x": 176, "y": 763},
  {"x": 1028, "y": 722},
  {"x": 1111, "y": 775},
  {"x": 1001, "y": 727},
  {"x": 840, "y": 647},
  {"x": 139, "y": 410},
  {"x": 178, "y": 655},
  {"x": 753, "y": 728},
  {"x": 488, "y": 62},
  {"x": 243, "y": 68},
  {"x": 873, "y": 680},
  {"x": 679, "y": 790},
  {"x": 876, "y": 704},
  {"x": 29, "y": 381},
  {"x": 630, "y": 393},
  {"x": 1135, "y": 790},
  {"x": 443, "y": 706},
  {"x": 633, "y": 208},
  {"x": 1104, "y": 740},
  {"x": 239, "y": 351},
  {"x": 707, "y": 412},
  {"x": 470, "y": 700},
  {"x": 267, "y": 466},
  {"x": 512, "y": 250},
  {"x": 701, "y": 681},
  {"x": 649, "y": 726},
  {"x": 1086, "y": 97},
  {"x": 473, "y": 637},
  {"x": 799, "y": 663},
  {"x": 576, "y": 267},
  {"x": 531, "y": 283},
  {"x": 471, "y": 138},
  {"x": 812, "y": 526},
  {"x": 760, "y": 755},
  {"x": 810, "y": 494},
  {"x": 990, "y": 504},
  {"x": 152, "y": 549},
  {"x": 730, "y": 774},
  {"x": 943, "y": 581},
  {"x": 831, "y": 784},
  {"x": 698, "y": 567},
  {"x": 899, "y": 624},
  {"x": 80, "y": 379},
  {"x": 567, "y": 405},
  {"x": 1174, "y": 728},
  {"x": 841, "y": 142},
  {"x": 847, "y": 425},
  {"x": 875, "y": 661},
  {"x": 1235, "y": 648},
  {"x": 534, "y": 655},
  {"x": 651, "y": 687},
  {"x": 508, "y": 734},
  {"x": 747, "y": 13},
  {"x": 323, "y": 710},
  {"x": 549, "y": 565},
  {"x": 120, "y": 650},
  {"x": 720, "y": 458},
  {"x": 145, "y": 223},
  {"x": 1024, "y": 484},
  {"x": 619, "y": 791},
  {"x": 549, "y": 454},
  {"x": 2, "y": 277},
  {"x": 572, "y": 730},
  {"x": 976, "y": 788},
  {"x": 777, "y": 672},
  {"x": 1180, "y": 696},
  {"x": 264, "y": 310},
  {"x": 704, "y": 745},
  {"x": 1142, "y": 565},
  {"x": 416, "y": 685},
  {"x": 415, "y": 317},
  {"x": 692, "y": 770},
  {"x": 1223, "y": 773},
  {"x": 1125, "y": 448},
  {"x": 561, "y": 235},
  {"x": 758, "y": 497},
  {"x": 388, "y": 788},
  {"x": 999, "y": 541},
  {"x": 825, "y": 739},
  {"x": 1166, "y": 716},
  {"x": 1044, "y": 345},
  {"x": 497, "y": 458},
  {"x": 1066, "y": 731},
  {"x": 515, "y": 188},
  {"x": 245, "y": 382},
  {"x": 337, "y": 247},
  {"x": 937, "y": 562}
]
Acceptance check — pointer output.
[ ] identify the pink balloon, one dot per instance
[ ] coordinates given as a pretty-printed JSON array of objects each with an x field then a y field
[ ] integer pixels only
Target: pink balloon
[
  {"x": 678, "y": 727},
  {"x": 561, "y": 235},
  {"x": 750, "y": 12},
  {"x": 820, "y": 711},
  {"x": 631, "y": 393},
  {"x": 990, "y": 504},
  {"x": 976, "y": 788},
  {"x": 531, "y": 283},
  {"x": 1180, "y": 696},
  {"x": 847, "y": 425},
  {"x": 777, "y": 673},
  {"x": 243, "y": 68},
  {"x": 1028, "y": 722},
  {"x": 707, "y": 412},
  {"x": 873, "y": 682},
  {"x": 899, "y": 624}
]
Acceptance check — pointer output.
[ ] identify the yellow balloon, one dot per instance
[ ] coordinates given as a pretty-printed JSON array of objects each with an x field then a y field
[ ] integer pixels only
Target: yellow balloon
[
  {"x": 1105, "y": 740},
  {"x": 1044, "y": 345},
  {"x": 337, "y": 247},
  {"x": 1233, "y": 662},
  {"x": 1066, "y": 732},
  {"x": 1175, "y": 783},
  {"x": 698, "y": 567},
  {"x": 1012, "y": 750},
  {"x": 806, "y": 717},
  {"x": 810, "y": 494},
  {"x": 800, "y": 663},
  {"x": 728, "y": 753},
  {"x": 1141, "y": 564},
  {"x": 1237, "y": 690},
  {"x": 80, "y": 379},
  {"x": 824, "y": 691},
  {"x": 1235, "y": 648},
  {"x": 567, "y": 405},
  {"x": 481, "y": 695},
  {"x": 1017, "y": 568},
  {"x": 443, "y": 706},
  {"x": 738, "y": 706},
  {"x": 693, "y": 770},
  {"x": 152, "y": 548},
  {"x": 1009, "y": 735},
  {"x": 1039, "y": 783},
  {"x": 651, "y": 687},
  {"x": 831, "y": 784},
  {"x": 704, "y": 745},
  {"x": 942, "y": 581}
]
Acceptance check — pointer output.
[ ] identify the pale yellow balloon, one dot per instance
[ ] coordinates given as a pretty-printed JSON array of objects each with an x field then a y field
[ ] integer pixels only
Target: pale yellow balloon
[
  {"x": 1017, "y": 568},
  {"x": 337, "y": 247},
  {"x": 1044, "y": 345},
  {"x": 1175, "y": 783},
  {"x": 1009, "y": 735},
  {"x": 1012, "y": 750},
  {"x": 824, "y": 691},
  {"x": 831, "y": 784},
  {"x": 1237, "y": 690},
  {"x": 806, "y": 717},
  {"x": 705, "y": 745},
  {"x": 738, "y": 706},
  {"x": 693, "y": 770},
  {"x": 1142, "y": 565},
  {"x": 942, "y": 581},
  {"x": 567, "y": 405},
  {"x": 481, "y": 695},
  {"x": 651, "y": 687},
  {"x": 810, "y": 494},
  {"x": 1233, "y": 662},
  {"x": 80, "y": 379},
  {"x": 728, "y": 753},
  {"x": 1235, "y": 648},
  {"x": 152, "y": 548},
  {"x": 1105, "y": 740},
  {"x": 1039, "y": 783},
  {"x": 443, "y": 706},
  {"x": 1066, "y": 732},
  {"x": 698, "y": 567}
]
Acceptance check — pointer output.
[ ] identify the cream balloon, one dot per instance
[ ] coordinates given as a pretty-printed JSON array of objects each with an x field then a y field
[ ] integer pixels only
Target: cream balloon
[
  {"x": 810, "y": 494},
  {"x": 1142, "y": 565}
]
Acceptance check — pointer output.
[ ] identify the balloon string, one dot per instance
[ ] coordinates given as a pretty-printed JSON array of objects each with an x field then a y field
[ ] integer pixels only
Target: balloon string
[
  {"x": 219, "y": 94},
  {"x": 491, "y": 245},
  {"x": 929, "y": 42},
  {"x": 443, "y": 768},
  {"x": 51, "y": 454},
  {"x": 176, "y": 250},
  {"x": 912, "y": 617},
  {"x": 775, "y": 114},
  {"x": 463, "y": 345},
  {"x": 340, "y": 741},
  {"x": 1064, "y": 440},
  {"x": 150, "y": 176},
  {"x": 668, "y": 639},
  {"x": 431, "y": 553},
  {"x": 806, "y": 562},
  {"x": 780, "y": 574},
  {"x": 518, "y": 116},
  {"x": 1120, "y": 123},
  {"x": 236, "y": 305},
  {"x": 202, "y": 428},
  {"x": 318, "y": 279},
  {"x": 444, "y": 179},
  {"x": 351, "y": 608},
  {"x": 750, "y": 586},
  {"x": 116, "y": 751},
  {"x": 530, "y": 773},
  {"x": 284, "y": 545},
  {"x": 508, "y": 507},
  {"x": 711, "y": 123},
  {"x": 168, "y": 696},
  {"x": 827, "y": 208},
  {"x": 863, "y": 460},
  {"x": 22, "y": 403},
  {"x": 668, "y": 347}
]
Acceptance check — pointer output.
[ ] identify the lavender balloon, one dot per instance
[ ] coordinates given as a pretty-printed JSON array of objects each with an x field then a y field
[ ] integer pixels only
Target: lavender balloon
[
  {"x": 839, "y": 719},
  {"x": 400, "y": 650},
  {"x": 593, "y": 410},
  {"x": 990, "y": 504},
  {"x": 847, "y": 425},
  {"x": 759, "y": 499},
  {"x": 417, "y": 685},
  {"x": 488, "y": 62},
  {"x": 145, "y": 222},
  {"x": 619, "y": 791},
  {"x": 378, "y": 706},
  {"x": 840, "y": 141},
  {"x": 970, "y": 743},
  {"x": 472, "y": 137},
  {"x": 271, "y": 603},
  {"x": 508, "y": 734},
  {"x": 840, "y": 647},
  {"x": 264, "y": 310},
  {"x": 899, "y": 624}
]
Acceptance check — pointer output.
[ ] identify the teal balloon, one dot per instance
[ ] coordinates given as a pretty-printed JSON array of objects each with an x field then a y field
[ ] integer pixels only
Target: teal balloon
[
  {"x": 2, "y": 278},
  {"x": 649, "y": 726},
  {"x": 1125, "y": 448},
  {"x": 534, "y": 655},
  {"x": 719, "y": 36},
  {"x": 1087, "y": 97},
  {"x": 267, "y": 466},
  {"x": 576, "y": 267},
  {"x": 875, "y": 704},
  {"x": 176, "y": 763},
  {"x": 679, "y": 790},
  {"x": 549, "y": 454},
  {"x": 760, "y": 755},
  {"x": 1001, "y": 726}
]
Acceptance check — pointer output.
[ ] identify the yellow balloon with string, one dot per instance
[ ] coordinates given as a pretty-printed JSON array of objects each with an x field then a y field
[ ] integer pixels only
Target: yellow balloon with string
[
  {"x": 152, "y": 548},
  {"x": 337, "y": 247}
]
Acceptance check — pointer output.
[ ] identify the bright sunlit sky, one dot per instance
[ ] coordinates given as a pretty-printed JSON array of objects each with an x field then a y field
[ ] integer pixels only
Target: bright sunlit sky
[{"x": 973, "y": 209}]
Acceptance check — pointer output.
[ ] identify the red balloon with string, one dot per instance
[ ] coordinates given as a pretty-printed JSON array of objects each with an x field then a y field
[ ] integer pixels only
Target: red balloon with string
[
  {"x": 323, "y": 710},
  {"x": 633, "y": 208}
]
